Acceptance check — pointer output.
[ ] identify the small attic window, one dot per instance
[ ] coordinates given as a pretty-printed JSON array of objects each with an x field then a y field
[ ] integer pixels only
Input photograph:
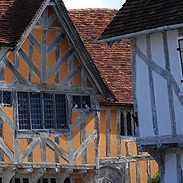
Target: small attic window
[{"x": 180, "y": 49}]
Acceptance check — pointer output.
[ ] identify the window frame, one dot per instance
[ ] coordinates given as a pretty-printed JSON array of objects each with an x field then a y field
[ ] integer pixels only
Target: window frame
[
  {"x": 81, "y": 108},
  {"x": 124, "y": 129},
  {"x": 179, "y": 52},
  {"x": 41, "y": 93}
]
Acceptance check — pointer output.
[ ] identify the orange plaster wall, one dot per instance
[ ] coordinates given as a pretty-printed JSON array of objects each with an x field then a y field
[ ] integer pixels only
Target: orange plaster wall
[
  {"x": 113, "y": 134},
  {"x": 8, "y": 139},
  {"x": 103, "y": 134},
  {"x": 22, "y": 145},
  {"x": 64, "y": 145},
  {"x": 37, "y": 154},
  {"x": 133, "y": 174},
  {"x": 143, "y": 171},
  {"x": 50, "y": 154},
  {"x": 8, "y": 75},
  {"x": 90, "y": 126},
  {"x": 154, "y": 168}
]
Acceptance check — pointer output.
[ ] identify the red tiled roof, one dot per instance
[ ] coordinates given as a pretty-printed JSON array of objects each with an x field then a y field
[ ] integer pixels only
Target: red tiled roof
[
  {"x": 114, "y": 63},
  {"x": 139, "y": 15},
  {"x": 15, "y": 16}
]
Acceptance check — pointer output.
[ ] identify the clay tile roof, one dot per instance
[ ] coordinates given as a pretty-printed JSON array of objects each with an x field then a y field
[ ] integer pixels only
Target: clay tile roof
[
  {"x": 114, "y": 63},
  {"x": 15, "y": 16},
  {"x": 139, "y": 15}
]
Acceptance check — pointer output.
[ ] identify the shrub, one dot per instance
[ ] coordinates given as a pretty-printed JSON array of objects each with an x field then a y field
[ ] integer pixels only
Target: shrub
[{"x": 155, "y": 179}]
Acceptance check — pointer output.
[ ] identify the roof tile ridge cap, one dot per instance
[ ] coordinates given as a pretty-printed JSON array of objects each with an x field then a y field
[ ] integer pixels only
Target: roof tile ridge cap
[{"x": 93, "y": 9}]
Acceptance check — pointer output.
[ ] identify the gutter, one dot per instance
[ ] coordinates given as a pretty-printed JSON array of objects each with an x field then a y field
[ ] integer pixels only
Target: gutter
[{"x": 149, "y": 31}]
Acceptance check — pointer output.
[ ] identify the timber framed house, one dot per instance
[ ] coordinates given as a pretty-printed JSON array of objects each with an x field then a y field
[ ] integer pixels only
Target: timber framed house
[{"x": 62, "y": 116}]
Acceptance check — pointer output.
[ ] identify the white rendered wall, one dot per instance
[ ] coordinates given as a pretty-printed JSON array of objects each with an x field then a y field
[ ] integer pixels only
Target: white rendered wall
[
  {"x": 168, "y": 109},
  {"x": 171, "y": 169},
  {"x": 142, "y": 92}
]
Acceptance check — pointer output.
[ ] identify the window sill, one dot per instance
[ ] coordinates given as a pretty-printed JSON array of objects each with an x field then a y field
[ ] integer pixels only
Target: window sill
[{"x": 42, "y": 133}]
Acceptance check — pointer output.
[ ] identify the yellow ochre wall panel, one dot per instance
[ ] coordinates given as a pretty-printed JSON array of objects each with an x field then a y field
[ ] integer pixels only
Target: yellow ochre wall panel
[
  {"x": 133, "y": 175},
  {"x": 24, "y": 68},
  {"x": 154, "y": 168},
  {"x": 103, "y": 134},
  {"x": 23, "y": 144},
  {"x": 25, "y": 46},
  {"x": 143, "y": 171},
  {"x": 64, "y": 145},
  {"x": 77, "y": 78},
  {"x": 113, "y": 134},
  {"x": 38, "y": 35},
  {"x": 50, "y": 154},
  {"x": 37, "y": 154},
  {"x": 133, "y": 148},
  {"x": 8, "y": 75}
]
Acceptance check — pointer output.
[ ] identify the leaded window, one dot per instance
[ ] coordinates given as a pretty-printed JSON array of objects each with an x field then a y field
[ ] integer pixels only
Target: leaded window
[
  {"x": 5, "y": 98},
  {"x": 41, "y": 110},
  {"x": 127, "y": 124},
  {"x": 81, "y": 102}
]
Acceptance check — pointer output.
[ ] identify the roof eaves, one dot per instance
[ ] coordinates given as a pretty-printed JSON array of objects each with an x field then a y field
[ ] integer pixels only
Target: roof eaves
[{"x": 134, "y": 34}]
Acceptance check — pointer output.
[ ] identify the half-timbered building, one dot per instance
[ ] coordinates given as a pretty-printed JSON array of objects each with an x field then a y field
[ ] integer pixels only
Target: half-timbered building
[
  {"x": 64, "y": 115},
  {"x": 155, "y": 29}
]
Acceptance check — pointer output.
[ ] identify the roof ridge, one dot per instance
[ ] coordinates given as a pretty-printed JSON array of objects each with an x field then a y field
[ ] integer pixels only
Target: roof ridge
[{"x": 93, "y": 9}]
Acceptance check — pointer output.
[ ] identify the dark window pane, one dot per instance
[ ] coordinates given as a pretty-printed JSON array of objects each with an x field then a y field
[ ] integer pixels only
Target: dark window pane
[
  {"x": 1, "y": 180},
  {"x": 48, "y": 111},
  {"x": 60, "y": 104},
  {"x": 7, "y": 98},
  {"x": 53, "y": 180},
  {"x": 67, "y": 180},
  {"x": 23, "y": 110},
  {"x": 17, "y": 180},
  {"x": 122, "y": 124},
  {"x": 129, "y": 124},
  {"x": 76, "y": 102},
  {"x": 45, "y": 180},
  {"x": 25, "y": 180},
  {"x": 35, "y": 104},
  {"x": 85, "y": 102}
]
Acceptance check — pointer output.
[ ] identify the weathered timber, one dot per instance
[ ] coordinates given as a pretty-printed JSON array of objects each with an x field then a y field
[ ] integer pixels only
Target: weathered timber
[
  {"x": 59, "y": 63},
  {"x": 84, "y": 115},
  {"x": 5, "y": 118},
  {"x": 85, "y": 144},
  {"x": 34, "y": 42},
  {"x": 58, "y": 150},
  {"x": 15, "y": 71},
  {"x": 66, "y": 80},
  {"x": 151, "y": 86},
  {"x": 54, "y": 43},
  {"x": 29, "y": 149},
  {"x": 108, "y": 133},
  {"x": 6, "y": 149},
  {"x": 29, "y": 62}
]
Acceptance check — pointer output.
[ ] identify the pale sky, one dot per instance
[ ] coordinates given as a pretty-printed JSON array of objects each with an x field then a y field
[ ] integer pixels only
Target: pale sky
[{"x": 74, "y": 4}]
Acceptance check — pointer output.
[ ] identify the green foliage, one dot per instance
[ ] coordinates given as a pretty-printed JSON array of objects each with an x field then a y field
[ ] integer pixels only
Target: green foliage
[{"x": 155, "y": 179}]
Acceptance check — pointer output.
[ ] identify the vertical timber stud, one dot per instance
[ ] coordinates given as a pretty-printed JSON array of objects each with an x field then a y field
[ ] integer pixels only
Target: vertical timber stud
[
  {"x": 2, "y": 136},
  {"x": 57, "y": 56},
  {"x": 108, "y": 133},
  {"x": 83, "y": 125},
  {"x": 17, "y": 65},
  {"x": 169, "y": 87},
  {"x": 97, "y": 127},
  {"x": 118, "y": 136},
  {"x": 179, "y": 171},
  {"x": 44, "y": 47},
  {"x": 151, "y": 86},
  {"x": 138, "y": 171},
  {"x": 134, "y": 73},
  {"x": 16, "y": 148},
  {"x": 31, "y": 46},
  {"x": 57, "y": 157},
  {"x": 70, "y": 136}
]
